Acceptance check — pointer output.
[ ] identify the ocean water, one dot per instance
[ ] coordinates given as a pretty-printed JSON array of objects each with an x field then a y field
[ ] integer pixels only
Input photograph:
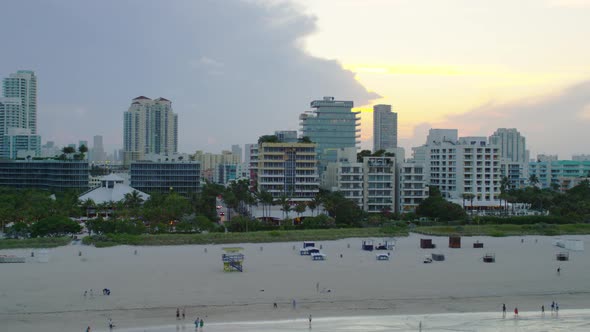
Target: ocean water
[{"x": 566, "y": 320}]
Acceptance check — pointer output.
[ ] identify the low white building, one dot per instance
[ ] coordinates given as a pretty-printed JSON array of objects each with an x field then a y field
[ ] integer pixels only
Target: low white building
[
  {"x": 112, "y": 189},
  {"x": 371, "y": 184}
]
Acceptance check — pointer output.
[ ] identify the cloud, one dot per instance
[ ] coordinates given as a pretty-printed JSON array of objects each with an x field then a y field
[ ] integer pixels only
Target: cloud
[
  {"x": 552, "y": 124},
  {"x": 234, "y": 70},
  {"x": 568, "y": 3}
]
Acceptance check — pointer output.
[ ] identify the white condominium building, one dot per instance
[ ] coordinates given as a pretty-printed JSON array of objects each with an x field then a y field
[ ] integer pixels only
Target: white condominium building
[
  {"x": 287, "y": 169},
  {"x": 464, "y": 166},
  {"x": 413, "y": 185},
  {"x": 371, "y": 184}
]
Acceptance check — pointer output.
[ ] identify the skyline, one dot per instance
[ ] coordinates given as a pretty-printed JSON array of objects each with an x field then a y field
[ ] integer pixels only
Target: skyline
[{"x": 262, "y": 70}]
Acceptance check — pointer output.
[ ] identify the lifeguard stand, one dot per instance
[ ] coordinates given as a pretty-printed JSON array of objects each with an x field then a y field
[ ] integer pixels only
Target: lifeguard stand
[{"x": 233, "y": 259}]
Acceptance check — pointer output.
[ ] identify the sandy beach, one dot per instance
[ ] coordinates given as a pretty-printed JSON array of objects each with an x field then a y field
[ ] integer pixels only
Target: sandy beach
[{"x": 147, "y": 288}]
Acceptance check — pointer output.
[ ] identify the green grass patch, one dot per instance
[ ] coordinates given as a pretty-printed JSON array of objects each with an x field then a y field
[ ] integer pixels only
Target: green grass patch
[
  {"x": 506, "y": 230},
  {"x": 39, "y": 242},
  {"x": 108, "y": 240}
]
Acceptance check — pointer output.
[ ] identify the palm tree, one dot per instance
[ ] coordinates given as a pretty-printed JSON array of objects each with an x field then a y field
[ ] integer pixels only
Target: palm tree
[
  {"x": 133, "y": 199},
  {"x": 285, "y": 204},
  {"x": 533, "y": 180},
  {"x": 315, "y": 202},
  {"x": 265, "y": 198},
  {"x": 300, "y": 208},
  {"x": 87, "y": 205}
]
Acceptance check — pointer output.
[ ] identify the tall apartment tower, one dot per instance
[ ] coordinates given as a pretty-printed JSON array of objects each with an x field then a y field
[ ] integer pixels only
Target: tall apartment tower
[
  {"x": 150, "y": 127},
  {"x": 513, "y": 145},
  {"x": 98, "y": 153},
  {"x": 332, "y": 125},
  {"x": 23, "y": 85},
  {"x": 18, "y": 116},
  {"x": 384, "y": 128},
  {"x": 236, "y": 149}
]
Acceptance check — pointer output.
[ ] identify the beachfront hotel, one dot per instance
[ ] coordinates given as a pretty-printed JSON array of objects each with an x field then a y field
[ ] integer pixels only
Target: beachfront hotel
[
  {"x": 150, "y": 127},
  {"x": 332, "y": 125},
  {"x": 462, "y": 167},
  {"x": 370, "y": 183},
  {"x": 286, "y": 169}
]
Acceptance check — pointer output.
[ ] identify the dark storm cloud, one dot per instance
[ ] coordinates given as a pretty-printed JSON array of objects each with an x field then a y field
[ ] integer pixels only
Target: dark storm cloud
[{"x": 233, "y": 69}]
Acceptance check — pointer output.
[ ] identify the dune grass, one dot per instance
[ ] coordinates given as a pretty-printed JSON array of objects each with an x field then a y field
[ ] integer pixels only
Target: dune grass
[
  {"x": 250, "y": 237},
  {"x": 38, "y": 242},
  {"x": 506, "y": 230}
]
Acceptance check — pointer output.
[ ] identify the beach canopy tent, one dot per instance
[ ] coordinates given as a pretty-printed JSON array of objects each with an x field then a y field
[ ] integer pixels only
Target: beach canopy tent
[
  {"x": 368, "y": 245},
  {"x": 382, "y": 257},
  {"x": 563, "y": 256},
  {"x": 438, "y": 257},
  {"x": 387, "y": 244},
  {"x": 570, "y": 244},
  {"x": 307, "y": 244},
  {"x": 477, "y": 244},
  {"x": 489, "y": 258}
]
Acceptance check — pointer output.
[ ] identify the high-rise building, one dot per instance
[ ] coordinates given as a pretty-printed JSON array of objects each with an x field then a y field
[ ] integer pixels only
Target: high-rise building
[
  {"x": 332, "y": 125},
  {"x": 515, "y": 156},
  {"x": 52, "y": 175},
  {"x": 287, "y": 169},
  {"x": 18, "y": 116},
  {"x": 512, "y": 144},
  {"x": 23, "y": 85},
  {"x": 236, "y": 150},
  {"x": 98, "y": 153},
  {"x": 384, "y": 128},
  {"x": 150, "y": 127}
]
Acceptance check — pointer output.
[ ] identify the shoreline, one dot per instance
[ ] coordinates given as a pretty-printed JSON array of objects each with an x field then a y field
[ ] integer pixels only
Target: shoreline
[{"x": 136, "y": 318}]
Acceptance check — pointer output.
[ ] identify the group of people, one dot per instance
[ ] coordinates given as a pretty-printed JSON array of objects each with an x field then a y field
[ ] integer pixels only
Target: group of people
[
  {"x": 105, "y": 291},
  {"x": 554, "y": 308},
  {"x": 199, "y": 323},
  {"x": 178, "y": 313}
]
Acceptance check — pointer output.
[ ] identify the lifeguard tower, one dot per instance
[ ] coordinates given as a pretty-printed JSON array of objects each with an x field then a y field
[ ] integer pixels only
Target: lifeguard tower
[{"x": 233, "y": 259}]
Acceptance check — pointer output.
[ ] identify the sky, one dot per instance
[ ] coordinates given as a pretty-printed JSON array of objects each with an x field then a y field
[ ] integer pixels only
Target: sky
[{"x": 236, "y": 70}]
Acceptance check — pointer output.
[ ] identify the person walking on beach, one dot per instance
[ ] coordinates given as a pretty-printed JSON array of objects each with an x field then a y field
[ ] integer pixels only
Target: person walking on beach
[
  {"x": 294, "y": 304},
  {"x": 177, "y": 314},
  {"x": 543, "y": 310},
  {"x": 556, "y": 308},
  {"x": 183, "y": 314},
  {"x": 515, "y": 312},
  {"x": 111, "y": 324},
  {"x": 317, "y": 287},
  {"x": 310, "y": 321},
  {"x": 197, "y": 323},
  {"x": 88, "y": 329},
  {"x": 503, "y": 309},
  {"x": 201, "y": 323},
  {"x": 559, "y": 270},
  {"x": 552, "y": 306}
]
